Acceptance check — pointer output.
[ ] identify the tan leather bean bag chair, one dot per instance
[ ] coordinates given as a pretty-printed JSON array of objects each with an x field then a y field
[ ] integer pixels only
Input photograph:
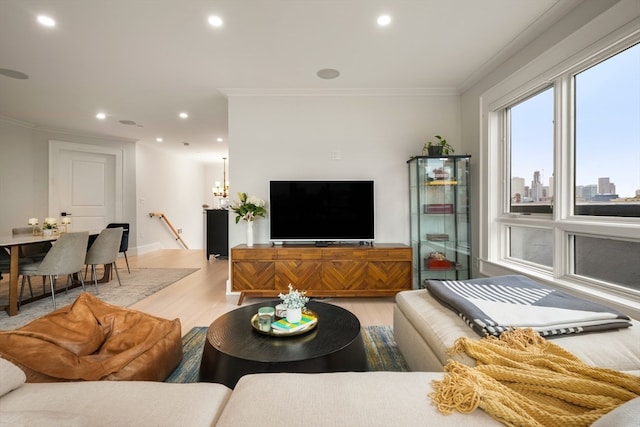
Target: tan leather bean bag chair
[{"x": 91, "y": 340}]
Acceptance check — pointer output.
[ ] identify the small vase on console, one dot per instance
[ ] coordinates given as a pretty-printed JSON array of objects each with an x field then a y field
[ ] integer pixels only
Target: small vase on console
[{"x": 249, "y": 233}]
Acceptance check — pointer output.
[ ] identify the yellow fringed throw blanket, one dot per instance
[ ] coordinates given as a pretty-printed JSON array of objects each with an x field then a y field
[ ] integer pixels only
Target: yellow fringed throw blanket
[{"x": 521, "y": 379}]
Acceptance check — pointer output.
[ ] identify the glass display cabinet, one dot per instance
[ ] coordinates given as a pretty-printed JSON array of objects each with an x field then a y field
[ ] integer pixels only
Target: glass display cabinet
[{"x": 440, "y": 223}]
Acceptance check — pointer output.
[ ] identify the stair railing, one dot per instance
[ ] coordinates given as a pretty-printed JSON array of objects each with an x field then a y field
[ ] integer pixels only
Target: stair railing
[{"x": 162, "y": 216}]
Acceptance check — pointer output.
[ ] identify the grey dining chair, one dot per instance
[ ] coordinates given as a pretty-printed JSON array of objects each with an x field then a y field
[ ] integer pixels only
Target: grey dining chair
[
  {"x": 104, "y": 250},
  {"x": 65, "y": 257},
  {"x": 32, "y": 251}
]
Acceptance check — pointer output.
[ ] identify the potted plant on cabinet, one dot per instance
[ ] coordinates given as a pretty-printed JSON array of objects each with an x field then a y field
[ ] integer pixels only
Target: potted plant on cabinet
[{"x": 439, "y": 148}]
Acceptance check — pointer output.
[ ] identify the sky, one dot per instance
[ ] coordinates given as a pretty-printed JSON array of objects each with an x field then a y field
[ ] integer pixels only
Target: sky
[{"x": 607, "y": 127}]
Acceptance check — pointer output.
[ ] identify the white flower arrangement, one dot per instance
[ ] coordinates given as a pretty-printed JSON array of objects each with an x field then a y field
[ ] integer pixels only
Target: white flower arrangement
[
  {"x": 294, "y": 299},
  {"x": 248, "y": 208},
  {"x": 50, "y": 224}
]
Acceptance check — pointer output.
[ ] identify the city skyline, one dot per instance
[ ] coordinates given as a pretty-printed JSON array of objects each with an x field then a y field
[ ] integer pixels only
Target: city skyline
[
  {"x": 606, "y": 136},
  {"x": 603, "y": 186}
]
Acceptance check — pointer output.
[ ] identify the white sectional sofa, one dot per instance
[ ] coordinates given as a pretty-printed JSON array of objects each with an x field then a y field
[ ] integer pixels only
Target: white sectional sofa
[
  {"x": 371, "y": 399},
  {"x": 424, "y": 329}
]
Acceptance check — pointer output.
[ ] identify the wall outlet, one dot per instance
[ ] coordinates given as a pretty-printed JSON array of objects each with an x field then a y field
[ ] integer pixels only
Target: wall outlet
[{"x": 179, "y": 230}]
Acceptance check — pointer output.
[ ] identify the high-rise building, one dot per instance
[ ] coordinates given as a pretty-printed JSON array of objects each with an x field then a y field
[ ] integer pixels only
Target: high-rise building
[
  {"x": 605, "y": 186},
  {"x": 536, "y": 187}
]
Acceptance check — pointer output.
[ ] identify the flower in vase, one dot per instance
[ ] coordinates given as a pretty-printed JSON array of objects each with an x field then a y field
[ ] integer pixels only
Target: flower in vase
[
  {"x": 248, "y": 207},
  {"x": 294, "y": 299},
  {"x": 50, "y": 224}
]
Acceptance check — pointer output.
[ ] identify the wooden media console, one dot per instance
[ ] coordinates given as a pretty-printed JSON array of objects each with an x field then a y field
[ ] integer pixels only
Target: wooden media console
[{"x": 266, "y": 270}]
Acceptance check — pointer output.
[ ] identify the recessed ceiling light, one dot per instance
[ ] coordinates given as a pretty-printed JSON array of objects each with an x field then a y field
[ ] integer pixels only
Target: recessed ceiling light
[
  {"x": 101, "y": 116},
  {"x": 384, "y": 20},
  {"x": 13, "y": 74},
  {"x": 328, "y": 73},
  {"x": 159, "y": 139},
  {"x": 46, "y": 21},
  {"x": 219, "y": 139},
  {"x": 215, "y": 21},
  {"x": 183, "y": 115}
]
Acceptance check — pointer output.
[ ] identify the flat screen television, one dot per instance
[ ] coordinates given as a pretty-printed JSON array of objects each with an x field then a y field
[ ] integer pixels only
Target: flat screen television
[{"x": 321, "y": 211}]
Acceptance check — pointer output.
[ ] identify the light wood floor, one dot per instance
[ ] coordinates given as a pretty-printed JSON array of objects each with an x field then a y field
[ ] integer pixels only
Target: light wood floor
[{"x": 200, "y": 298}]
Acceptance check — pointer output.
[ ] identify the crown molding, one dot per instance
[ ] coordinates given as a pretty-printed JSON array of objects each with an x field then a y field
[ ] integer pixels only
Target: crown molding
[
  {"x": 16, "y": 122},
  {"x": 439, "y": 91},
  {"x": 64, "y": 131}
]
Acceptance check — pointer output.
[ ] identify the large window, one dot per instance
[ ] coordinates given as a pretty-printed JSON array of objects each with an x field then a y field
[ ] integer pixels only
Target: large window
[
  {"x": 607, "y": 137},
  {"x": 564, "y": 173}
]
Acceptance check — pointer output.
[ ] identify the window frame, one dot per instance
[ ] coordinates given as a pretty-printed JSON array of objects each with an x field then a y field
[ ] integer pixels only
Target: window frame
[{"x": 495, "y": 219}]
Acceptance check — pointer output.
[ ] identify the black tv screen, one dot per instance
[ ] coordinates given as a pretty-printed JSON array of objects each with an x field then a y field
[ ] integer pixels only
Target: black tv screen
[{"x": 321, "y": 211}]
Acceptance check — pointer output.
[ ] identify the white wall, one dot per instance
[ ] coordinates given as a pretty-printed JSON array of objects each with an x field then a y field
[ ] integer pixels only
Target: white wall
[
  {"x": 174, "y": 186},
  {"x": 293, "y": 137},
  {"x": 24, "y": 172}
]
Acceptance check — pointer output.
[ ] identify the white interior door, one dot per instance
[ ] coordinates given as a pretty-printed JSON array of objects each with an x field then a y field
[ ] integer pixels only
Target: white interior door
[{"x": 85, "y": 181}]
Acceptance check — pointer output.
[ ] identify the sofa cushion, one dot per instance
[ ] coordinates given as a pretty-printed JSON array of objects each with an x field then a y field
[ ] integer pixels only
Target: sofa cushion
[
  {"x": 92, "y": 340},
  {"x": 623, "y": 416},
  {"x": 439, "y": 327},
  {"x": 12, "y": 377},
  {"x": 42, "y": 419},
  {"x": 124, "y": 403},
  {"x": 340, "y": 399}
]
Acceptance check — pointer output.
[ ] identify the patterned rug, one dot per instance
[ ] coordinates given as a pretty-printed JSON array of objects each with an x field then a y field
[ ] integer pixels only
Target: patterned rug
[
  {"x": 141, "y": 283},
  {"x": 381, "y": 349}
]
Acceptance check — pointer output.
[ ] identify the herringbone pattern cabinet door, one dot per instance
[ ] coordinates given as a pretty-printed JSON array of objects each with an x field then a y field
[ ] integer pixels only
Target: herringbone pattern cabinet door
[
  {"x": 252, "y": 275},
  {"x": 303, "y": 275},
  {"x": 344, "y": 275},
  {"x": 388, "y": 275}
]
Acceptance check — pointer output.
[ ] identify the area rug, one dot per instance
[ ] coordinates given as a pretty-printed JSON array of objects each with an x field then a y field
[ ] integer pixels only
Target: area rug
[
  {"x": 380, "y": 347},
  {"x": 141, "y": 283}
]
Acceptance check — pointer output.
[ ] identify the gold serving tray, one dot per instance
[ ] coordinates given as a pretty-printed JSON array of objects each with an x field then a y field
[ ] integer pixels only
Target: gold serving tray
[{"x": 276, "y": 333}]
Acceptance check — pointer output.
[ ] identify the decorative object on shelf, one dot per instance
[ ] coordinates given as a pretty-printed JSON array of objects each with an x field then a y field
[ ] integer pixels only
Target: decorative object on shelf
[
  {"x": 33, "y": 222},
  {"x": 438, "y": 148},
  {"x": 438, "y": 208},
  {"x": 248, "y": 208},
  {"x": 294, "y": 301},
  {"x": 222, "y": 190},
  {"x": 223, "y": 203},
  {"x": 437, "y": 261},
  {"x": 50, "y": 226}
]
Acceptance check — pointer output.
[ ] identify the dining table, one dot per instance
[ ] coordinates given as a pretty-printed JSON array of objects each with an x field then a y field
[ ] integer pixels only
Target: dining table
[{"x": 14, "y": 243}]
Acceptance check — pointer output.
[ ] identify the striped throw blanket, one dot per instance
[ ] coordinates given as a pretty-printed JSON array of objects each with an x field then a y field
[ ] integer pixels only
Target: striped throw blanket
[{"x": 493, "y": 305}]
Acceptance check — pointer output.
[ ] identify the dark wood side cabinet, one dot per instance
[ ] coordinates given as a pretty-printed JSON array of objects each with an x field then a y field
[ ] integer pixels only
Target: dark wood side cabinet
[
  {"x": 349, "y": 271},
  {"x": 217, "y": 233}
]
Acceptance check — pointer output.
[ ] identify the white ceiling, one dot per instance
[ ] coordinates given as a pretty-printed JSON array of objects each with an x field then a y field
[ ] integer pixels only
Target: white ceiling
[{"x": 147, "y": 60}]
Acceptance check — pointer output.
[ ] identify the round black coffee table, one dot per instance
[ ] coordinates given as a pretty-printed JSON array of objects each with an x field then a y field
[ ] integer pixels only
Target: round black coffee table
[{"x": 233, "y": 348}]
